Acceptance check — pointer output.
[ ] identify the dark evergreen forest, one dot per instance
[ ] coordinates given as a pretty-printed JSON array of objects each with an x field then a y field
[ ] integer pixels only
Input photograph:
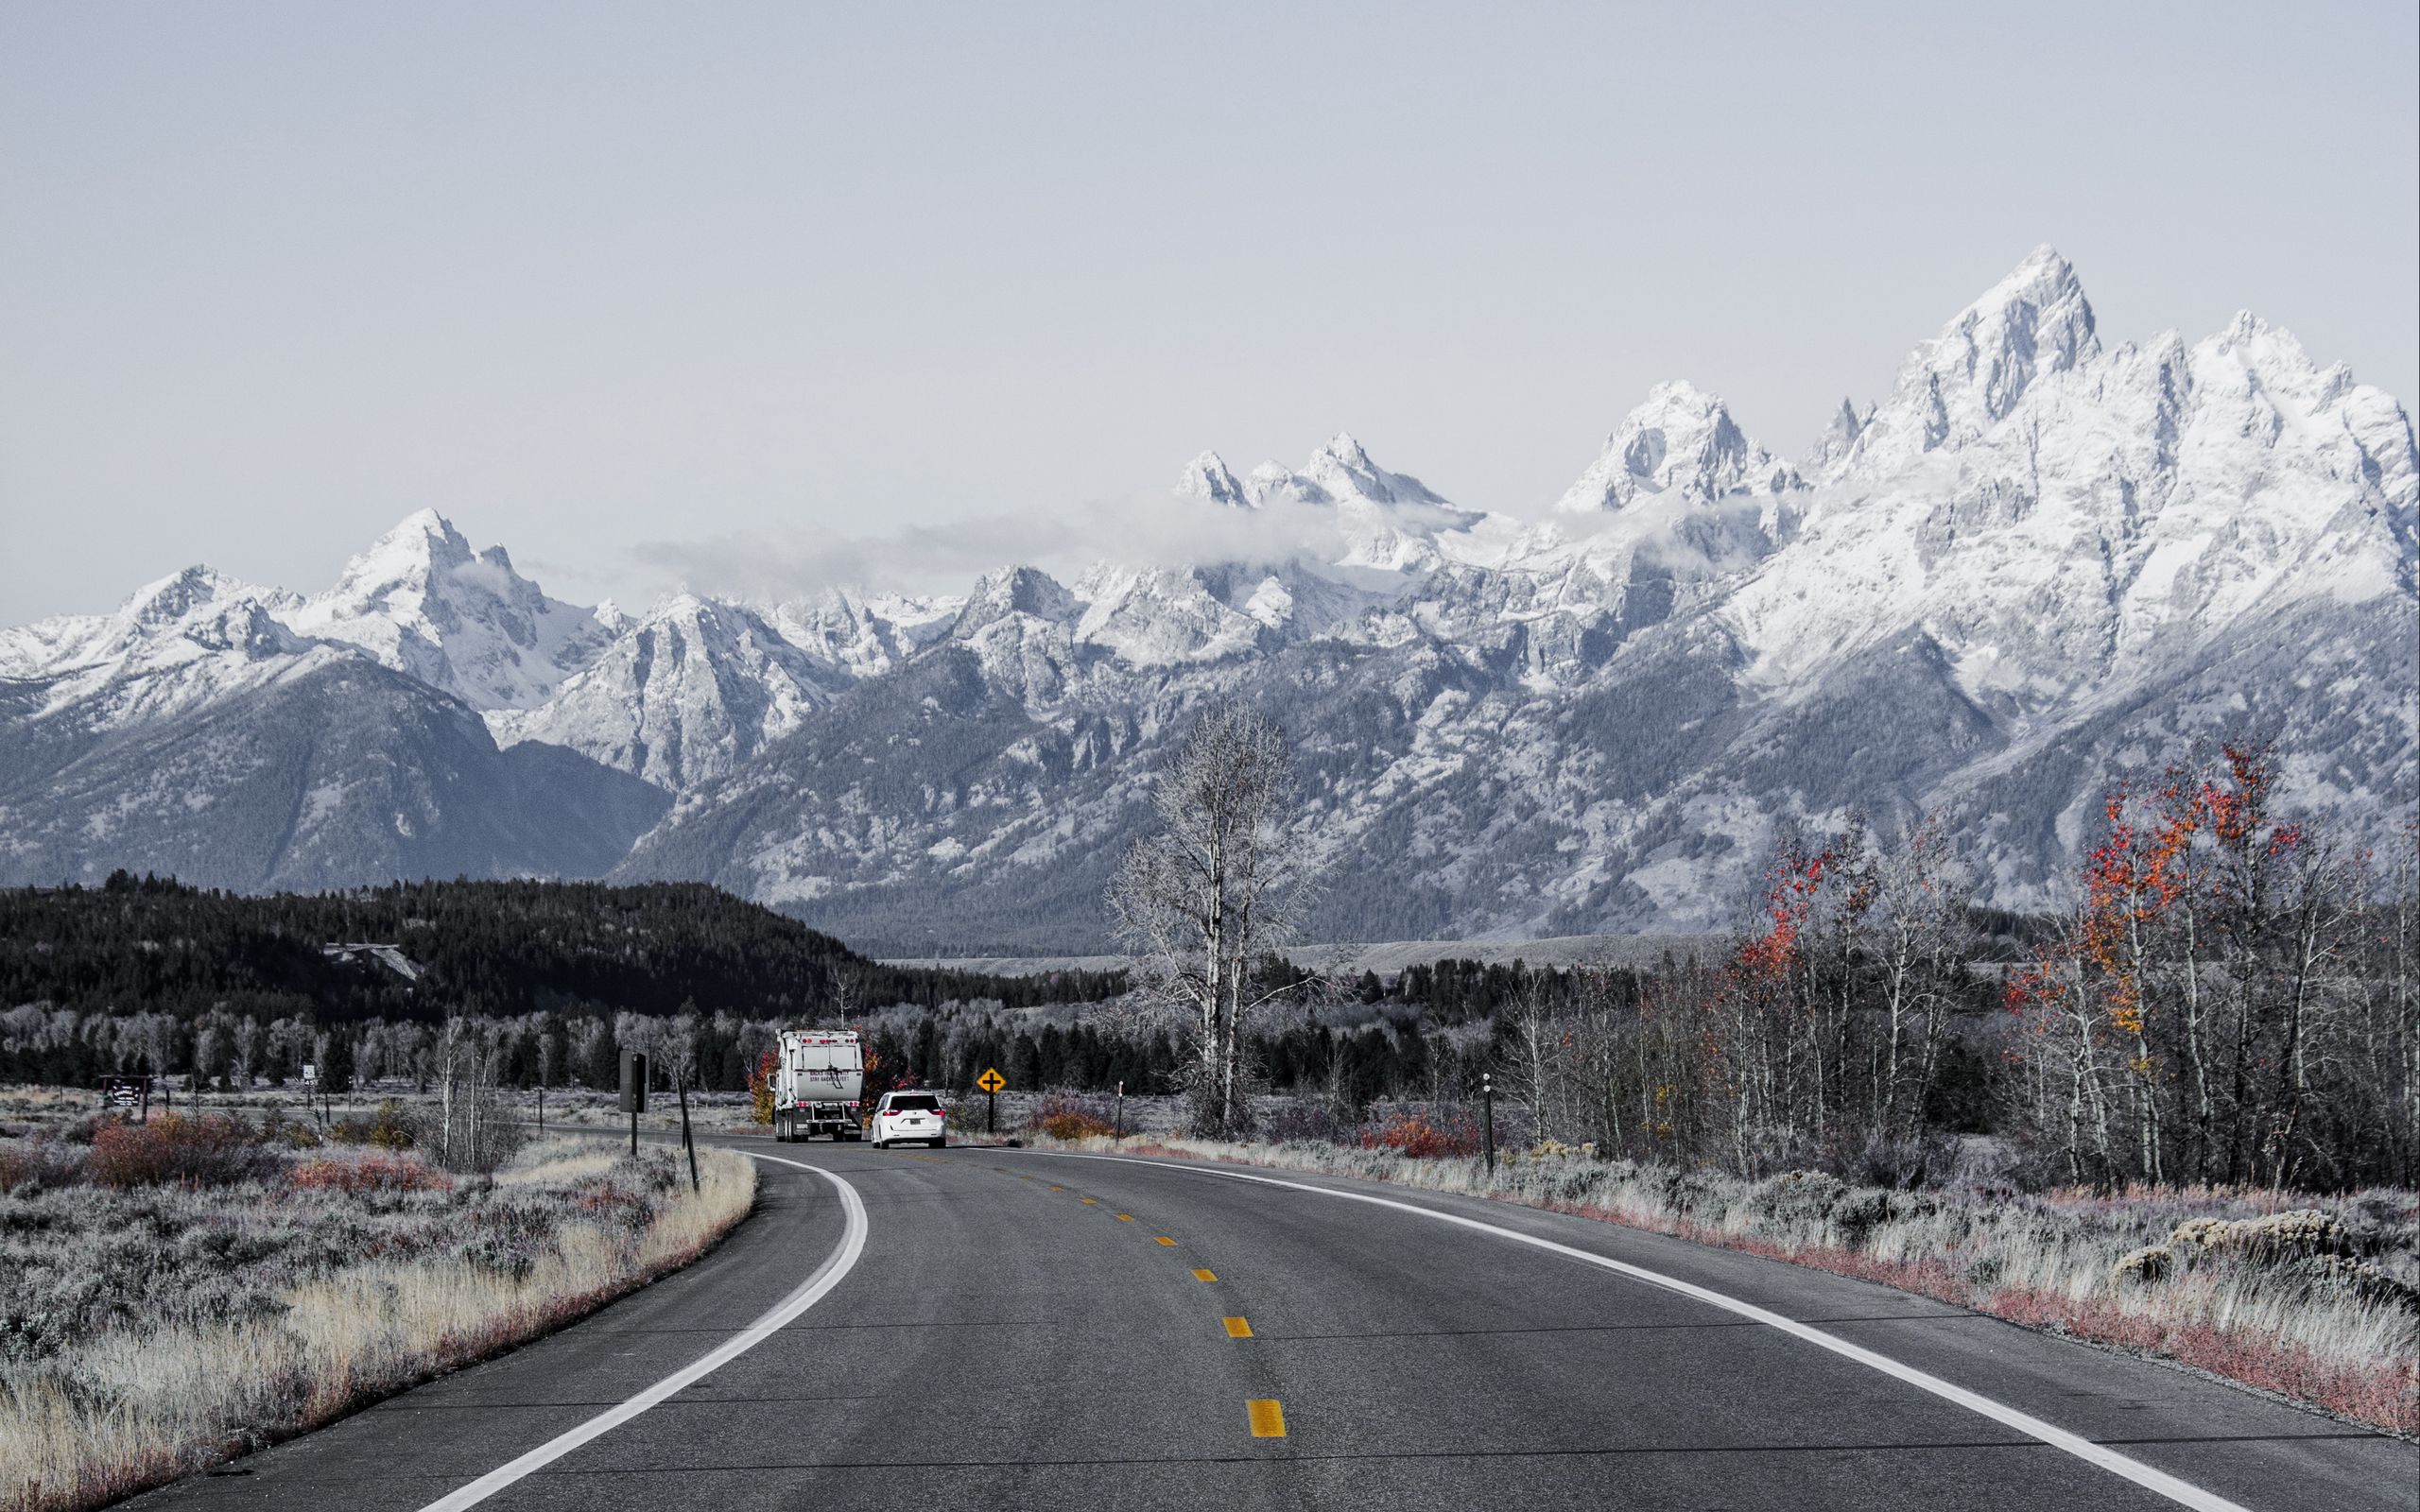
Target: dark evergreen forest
[{"x": 496, "y": 949}]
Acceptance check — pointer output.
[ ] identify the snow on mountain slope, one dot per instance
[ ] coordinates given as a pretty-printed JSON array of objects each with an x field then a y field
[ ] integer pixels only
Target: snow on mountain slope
[
  {"x": 2035, "y": 563},
  {"x": 192, "y": 731},
  {"x": 864, "y": 635},
  {"x": 688, "y": 692},
  {"x": 332, "y": 772},
  {"x": 2085, "y": 514},
  {"x": 422, "y": 602},
  {"x": 2034, "y": 323},
  {"x": 1387, "y": 521},
  {"x": 1165, "y": 616},
  {"x": 177, "y": 643},
  {"x": 1680, "y": 442},
  {"x": 1206, "y": 478}
]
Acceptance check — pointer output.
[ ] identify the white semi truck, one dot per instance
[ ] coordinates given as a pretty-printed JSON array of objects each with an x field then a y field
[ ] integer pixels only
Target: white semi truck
[{"x": 818, "y": 1085}]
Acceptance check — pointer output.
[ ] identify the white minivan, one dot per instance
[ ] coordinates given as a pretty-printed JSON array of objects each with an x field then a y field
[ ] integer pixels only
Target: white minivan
[{"x": 909, "y": 1117}]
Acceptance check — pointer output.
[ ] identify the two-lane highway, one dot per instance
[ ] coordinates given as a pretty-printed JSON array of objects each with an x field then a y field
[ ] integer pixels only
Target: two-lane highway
[{"x": 1012, "y": 1329}]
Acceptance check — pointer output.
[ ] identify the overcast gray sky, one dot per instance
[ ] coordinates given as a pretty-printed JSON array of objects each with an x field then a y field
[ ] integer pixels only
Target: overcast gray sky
[{"x": 589, "y": 276}]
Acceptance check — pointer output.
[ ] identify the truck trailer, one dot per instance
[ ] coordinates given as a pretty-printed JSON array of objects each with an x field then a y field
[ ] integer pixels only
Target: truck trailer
[{"x": 818, "y": 1085}]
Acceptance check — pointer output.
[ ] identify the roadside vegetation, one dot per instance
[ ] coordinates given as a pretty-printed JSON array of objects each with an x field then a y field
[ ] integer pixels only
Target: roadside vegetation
[
  {"x": 188, "y": 1289},
  {"x": 2114, "y": 1121}
]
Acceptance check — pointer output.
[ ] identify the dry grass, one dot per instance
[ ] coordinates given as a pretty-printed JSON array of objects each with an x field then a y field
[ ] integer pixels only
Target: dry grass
[
  {"x": 130, "y": 1405},
  {"x": 18, "y": 1100},
  {"x": 2331, "y": 1320}
]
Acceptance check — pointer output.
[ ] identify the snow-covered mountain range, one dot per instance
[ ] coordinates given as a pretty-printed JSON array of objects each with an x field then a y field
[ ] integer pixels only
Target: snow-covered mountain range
[{"x": 2035, "y": 563}]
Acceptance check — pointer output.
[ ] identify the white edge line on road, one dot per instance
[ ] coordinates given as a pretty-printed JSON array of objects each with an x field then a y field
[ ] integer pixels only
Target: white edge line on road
[
  {"x": 835, "y": 1265},
  {"x": 2181, "y": 1492}
]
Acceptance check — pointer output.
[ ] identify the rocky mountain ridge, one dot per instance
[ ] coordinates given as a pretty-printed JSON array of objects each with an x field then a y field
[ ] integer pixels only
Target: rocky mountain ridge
[{"x": 2032, "y": 564}]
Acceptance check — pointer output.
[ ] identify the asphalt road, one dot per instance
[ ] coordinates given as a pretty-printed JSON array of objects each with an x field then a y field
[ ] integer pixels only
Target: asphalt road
[{"x": 1000, "y": 1342}]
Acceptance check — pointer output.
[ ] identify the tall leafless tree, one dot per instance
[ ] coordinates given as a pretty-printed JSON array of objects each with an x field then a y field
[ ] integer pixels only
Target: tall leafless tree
[{"x": 1222, "y": 880}]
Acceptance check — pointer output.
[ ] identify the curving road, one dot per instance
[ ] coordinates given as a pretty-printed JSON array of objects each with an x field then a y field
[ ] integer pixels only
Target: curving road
[{"x": 983, "y": 1336}]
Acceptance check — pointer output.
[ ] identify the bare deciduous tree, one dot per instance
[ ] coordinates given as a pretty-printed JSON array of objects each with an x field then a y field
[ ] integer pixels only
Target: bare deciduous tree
[
  {"x": 466, "y": 1128},
  {"x": 1222, "y": 880}
]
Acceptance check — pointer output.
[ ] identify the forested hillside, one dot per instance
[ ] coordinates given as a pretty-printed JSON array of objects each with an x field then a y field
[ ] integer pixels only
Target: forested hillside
[{"x": 487, "y": 948}]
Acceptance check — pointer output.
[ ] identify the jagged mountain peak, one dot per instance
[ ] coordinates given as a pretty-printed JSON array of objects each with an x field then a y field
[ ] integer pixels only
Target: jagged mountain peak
[
  {"x": 191, "y": 611},
  {"x": 686, "y": 691},
  {"x": 421, "y": 601},
  {"x": 1346, "y": 452},
  {"x": 1340, "y": 472},
  {"x": 1016, "y": 591},
  {"x": 1953, "y": 388},
  {"x": 1680, "y": 440},
  {"x": 1839, "y": 434},
  {"x": 1206, "y": 477},
  {"x": 179, "y": 593},
  {"x": 1343, "y": 470},
  {"x": 1584, "y": 725},
  {"x": 421, "y": 543},
  {"x": 205, "y": 610}
]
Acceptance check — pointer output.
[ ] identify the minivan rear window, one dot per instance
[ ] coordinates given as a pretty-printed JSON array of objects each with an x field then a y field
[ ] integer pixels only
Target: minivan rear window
[{"x": 918, "y": 1103}]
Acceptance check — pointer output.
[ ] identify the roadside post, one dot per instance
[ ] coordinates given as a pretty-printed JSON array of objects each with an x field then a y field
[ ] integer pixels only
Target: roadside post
[
  {"x": 633, "y": 1093},
  {"x": 1117, "y": 1126},
  {"x": 992, "y": 1081},
  {"x": 1487, "y": 1115},
  {"x": 686, "y": 1143},
  {"x": 542, "y": 1107}
]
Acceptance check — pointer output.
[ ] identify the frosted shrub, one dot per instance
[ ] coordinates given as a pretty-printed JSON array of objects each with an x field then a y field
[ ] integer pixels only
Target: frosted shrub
[{"x": 153, "y": 1326}]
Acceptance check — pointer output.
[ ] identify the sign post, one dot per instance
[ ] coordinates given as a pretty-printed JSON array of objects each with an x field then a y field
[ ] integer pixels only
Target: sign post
[
  {"x": 686, "y": 1143},
  {"x": 992, "y": 1081},
  {"x": 1487, "y": 1115},
  {"x": 633, "y": 1093}
]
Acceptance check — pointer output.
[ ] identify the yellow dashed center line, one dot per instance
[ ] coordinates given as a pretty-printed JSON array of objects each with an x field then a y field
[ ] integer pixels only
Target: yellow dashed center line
[
  {"x": 1089, "y": 1201},
  {"x": 1268, "y": 1418},
  {"x": 1204, "y": 1276},
  {"x": 1236, "y": 1328},
  {"x": 1166, "y": 1240},
  {"x": 1058, "y": 1189},
  {"x": 1124, "y": 1217}
]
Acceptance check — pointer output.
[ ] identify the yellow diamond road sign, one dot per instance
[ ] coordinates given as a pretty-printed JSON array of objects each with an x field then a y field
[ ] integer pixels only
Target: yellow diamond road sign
[{"x": 991, "y": 1081}]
